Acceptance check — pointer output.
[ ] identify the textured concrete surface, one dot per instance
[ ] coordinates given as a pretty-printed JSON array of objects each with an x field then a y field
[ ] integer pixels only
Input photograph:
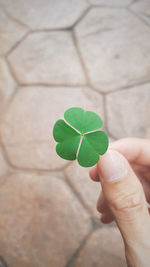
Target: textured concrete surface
[{"x": 93, "y": 54}]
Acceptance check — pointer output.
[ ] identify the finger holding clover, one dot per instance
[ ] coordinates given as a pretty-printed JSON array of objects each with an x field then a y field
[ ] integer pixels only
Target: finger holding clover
[{"x": 123, "y": 170}]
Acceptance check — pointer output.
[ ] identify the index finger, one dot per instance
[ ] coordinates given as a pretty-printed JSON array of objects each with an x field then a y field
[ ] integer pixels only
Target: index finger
[{"x": 134, "y": 149}]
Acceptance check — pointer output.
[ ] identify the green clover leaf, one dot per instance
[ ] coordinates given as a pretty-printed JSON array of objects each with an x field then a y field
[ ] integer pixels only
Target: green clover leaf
[{"x": 79, "y": 137}]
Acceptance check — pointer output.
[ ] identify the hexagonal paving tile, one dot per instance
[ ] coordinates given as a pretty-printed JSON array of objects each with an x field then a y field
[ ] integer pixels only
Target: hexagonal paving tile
[
  {"x": 88, "y": 190},
  {"x": 26, "y": 128},
  {"x": 42, "y": 223},
  {"x": 116, "y": 3},
  {"x": 40, "y": 58},
  {"x": 104, "y": 248},
  {"x": 134, "y": 111},
  {"x": 48, "y": 14},
  {"x": 7, "y": 86},
  {"x": 10, "y": 32},
  {"x": 142, "y": 8},
  {"x": 115, "y": 48}
]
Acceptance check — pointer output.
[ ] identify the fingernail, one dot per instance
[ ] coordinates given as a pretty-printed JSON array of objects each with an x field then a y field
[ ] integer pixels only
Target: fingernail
[{"x": 112, "y": 166}]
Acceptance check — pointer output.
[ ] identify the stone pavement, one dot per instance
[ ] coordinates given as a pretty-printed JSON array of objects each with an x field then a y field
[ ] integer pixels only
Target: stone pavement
[{"x": 53, "y": 55}]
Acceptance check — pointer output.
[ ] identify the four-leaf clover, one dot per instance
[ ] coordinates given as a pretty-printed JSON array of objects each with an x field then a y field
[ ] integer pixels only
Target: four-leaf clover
[{"x": 79, "y": 137}]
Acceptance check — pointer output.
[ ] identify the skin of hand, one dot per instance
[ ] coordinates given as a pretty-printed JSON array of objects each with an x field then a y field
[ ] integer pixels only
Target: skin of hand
[{"x": 124, "y": 173}]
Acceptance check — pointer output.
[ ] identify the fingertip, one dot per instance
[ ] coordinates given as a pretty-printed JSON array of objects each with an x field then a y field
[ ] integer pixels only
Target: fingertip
[
  {"x": 134, "y": 149},
  {"x": 113, "y": 166},
  {"x": 93, "y": 173},
  {"x": 105, "y": 218}
]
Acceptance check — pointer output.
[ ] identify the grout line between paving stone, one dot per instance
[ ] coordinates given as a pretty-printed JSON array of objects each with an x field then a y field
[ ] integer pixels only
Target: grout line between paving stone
[
  {"x": 3, "y": 262},
  {"x": 71, "y": 262},
  {"x": 139, "y": 17},
  {"x": 16, "y": 169},
  {"x": 23, "y": 169},
  {"x": 13, "y": 18},
  {"x": 67, "y": 165},
  {"x": 104, "y": 6},
  {"x": 73, "y": 258},
  {"x": 63, "y": 29},
  {"x": 83, "y": 15},
  {"x": 128, "y": 87},
  {"x": 52, "y": 85},
  {"x": 96, "y": 224},
  {"x": 7, "y": 104},
  {"x": 35, "y": 170},
  {"x": 130, "y": 4},
  {"x": 4, "y": 153},
  {"x": 80, "y": 58},
  {"x": 120, "y": 89},
  {"x": 38, "y": 172},
  {"x": 91, "y": 87},
  {"x": 11, "y": 72},
  {"x": 84, "y": 86},
  {"x": 31, "y": 170},
  {"x": 9, "y": 101},
  {"x": 79, "y": 197},
  {"x": 17, "y": 43}
]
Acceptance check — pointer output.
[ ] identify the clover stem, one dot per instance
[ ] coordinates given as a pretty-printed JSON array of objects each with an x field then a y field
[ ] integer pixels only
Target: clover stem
[{"x": 79, "y": 146}]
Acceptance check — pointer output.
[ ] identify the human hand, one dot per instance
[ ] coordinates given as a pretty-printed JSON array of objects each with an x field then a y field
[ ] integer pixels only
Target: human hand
[{"x": 123, "y": 199}]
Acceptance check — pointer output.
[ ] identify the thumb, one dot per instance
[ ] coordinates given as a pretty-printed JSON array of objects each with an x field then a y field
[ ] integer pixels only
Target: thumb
[{"x": 125, "y": 196}]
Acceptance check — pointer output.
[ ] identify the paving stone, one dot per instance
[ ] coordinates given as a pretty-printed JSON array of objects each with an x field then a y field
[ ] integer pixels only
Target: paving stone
[
  {"x": 10, "y": 32},
  {"x": 116, "y": 3},
  {"x": 115, "y": 48},
  {"x": 7, "y": 84},
  {"x": 27, "y": 126},
  {"x": 128, "y": 112},
  {"x": 47, "y": 57},
  {"x": 42, "y": 223},
  {"x": 88, "y": 190},
  {"x": 46, "y": 14},
  {"x": 142, "y": 8},
  {"x": 104, "y": 248}
]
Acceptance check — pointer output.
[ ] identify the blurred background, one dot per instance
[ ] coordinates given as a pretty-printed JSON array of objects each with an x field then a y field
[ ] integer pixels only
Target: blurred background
[{"x": 55, "y": 54}]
